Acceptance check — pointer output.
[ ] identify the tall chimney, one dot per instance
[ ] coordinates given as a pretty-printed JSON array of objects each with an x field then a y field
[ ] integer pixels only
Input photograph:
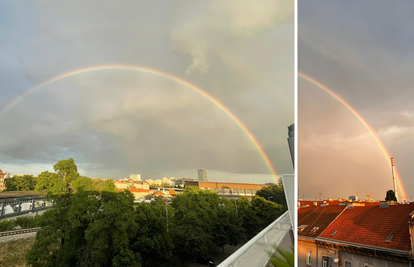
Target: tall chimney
[{"x": 393, "y": 178}]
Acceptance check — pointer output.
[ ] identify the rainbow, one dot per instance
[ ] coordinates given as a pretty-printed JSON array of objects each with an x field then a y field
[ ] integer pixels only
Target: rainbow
[
  {"x": 359, "y": 117},
  {"x": 157, "y": 73}
]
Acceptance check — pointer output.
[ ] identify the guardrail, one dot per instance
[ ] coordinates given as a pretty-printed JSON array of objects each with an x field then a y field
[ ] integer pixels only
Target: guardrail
[
  {"x": 18, "y": 232},
  {"x": 231, "y": 260},
  {"x": 15, "y": 206}
]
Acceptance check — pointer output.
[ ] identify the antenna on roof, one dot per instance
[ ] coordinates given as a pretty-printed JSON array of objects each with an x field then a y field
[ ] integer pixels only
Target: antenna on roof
[
  {"x": 393, "y": 179},
  {"x": 318, "y": 195}
]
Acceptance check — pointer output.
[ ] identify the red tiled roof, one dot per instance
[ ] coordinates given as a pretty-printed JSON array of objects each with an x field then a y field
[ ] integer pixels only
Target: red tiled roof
[
  {"x": 159, "y": 193},
  {"x": 133, "y": 190},
  {"x": 138, "y": 190},
  {"x": 335, "y": 202},
  {"x": 172, "y": 192},
  {"x": 320, "y": 216},
  {"x": 309, "y": 202},
  {"x": 372, "y": 225}
]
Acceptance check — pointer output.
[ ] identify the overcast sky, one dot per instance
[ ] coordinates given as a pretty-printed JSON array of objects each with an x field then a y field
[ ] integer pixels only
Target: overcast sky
[
  {"x": 114, "y": 123},
  {"x": 363, "y": 51}
]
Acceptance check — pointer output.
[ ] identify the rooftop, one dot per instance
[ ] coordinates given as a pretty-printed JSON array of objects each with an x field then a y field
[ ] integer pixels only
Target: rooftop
[
  {"x": 312, "y": 220},
  {"x": 385, "y": 227}
]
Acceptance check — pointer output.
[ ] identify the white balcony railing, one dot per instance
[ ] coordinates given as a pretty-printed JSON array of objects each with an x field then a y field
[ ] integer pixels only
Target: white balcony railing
[{"x": 256, "y": 249}]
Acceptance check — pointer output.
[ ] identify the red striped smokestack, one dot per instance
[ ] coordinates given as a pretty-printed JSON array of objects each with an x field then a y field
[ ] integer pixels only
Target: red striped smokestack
[{"x": 393, "y": 179}]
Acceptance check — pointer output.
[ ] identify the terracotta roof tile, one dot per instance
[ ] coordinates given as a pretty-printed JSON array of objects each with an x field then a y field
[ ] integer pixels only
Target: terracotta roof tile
[
  {"x": 372, "y": 225},
  {"x": 317, "y": 218}
]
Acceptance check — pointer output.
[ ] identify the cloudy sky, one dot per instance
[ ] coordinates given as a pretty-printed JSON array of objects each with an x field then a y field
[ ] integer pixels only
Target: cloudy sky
[
  {"x": 118, "y": 122},
  {"x": 363, "y": 51}
]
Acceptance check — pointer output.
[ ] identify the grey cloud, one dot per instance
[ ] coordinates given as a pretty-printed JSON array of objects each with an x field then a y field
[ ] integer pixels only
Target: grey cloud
[
  {"x": 227, "y": 21},
  {"x": 119, "y": 122},
  {"x": 362, "y": 55}
]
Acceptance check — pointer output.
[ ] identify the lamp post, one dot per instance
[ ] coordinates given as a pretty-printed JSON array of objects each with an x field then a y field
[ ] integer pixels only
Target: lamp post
[
  {"x": 235, "y": 203},
  {"x": 166, "y": 211}
]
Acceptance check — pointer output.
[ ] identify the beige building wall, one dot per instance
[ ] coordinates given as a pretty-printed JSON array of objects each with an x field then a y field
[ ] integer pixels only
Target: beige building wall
[{"x": 306, "y": 245}]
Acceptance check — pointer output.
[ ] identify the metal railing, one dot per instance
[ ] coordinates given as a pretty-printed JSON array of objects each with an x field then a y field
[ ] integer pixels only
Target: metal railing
[
  {"x": 232, "y": 259},
  {"x": 18, "y": 232},
  {"x": 10, "y": 207}
]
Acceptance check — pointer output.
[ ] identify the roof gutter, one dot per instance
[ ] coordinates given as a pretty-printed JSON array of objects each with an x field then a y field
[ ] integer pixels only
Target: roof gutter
[{"x": 333, "y": 241}]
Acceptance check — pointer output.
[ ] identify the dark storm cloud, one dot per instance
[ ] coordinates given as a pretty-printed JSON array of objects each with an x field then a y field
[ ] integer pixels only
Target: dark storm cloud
[
  {"x": 362, "y": 51},
  {"x": 118, "y": 122}
]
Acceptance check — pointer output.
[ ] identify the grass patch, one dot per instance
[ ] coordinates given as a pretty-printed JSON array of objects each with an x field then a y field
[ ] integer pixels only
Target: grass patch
[
  {"x": 13, "y": 253},
  {"x": 23, "y": 222}
]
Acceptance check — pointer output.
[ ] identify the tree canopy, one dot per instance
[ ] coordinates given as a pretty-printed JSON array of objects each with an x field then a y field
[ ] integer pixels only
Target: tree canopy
[
  {"x": 91, "y": 224},
  {"x": 21, "y": 183},
  {"x": 274, "y": 193},
  {"x": 66, "y": 169},
  {"x": 66, "y": 179},
  {"x": 390, "y": 196},
  {"x": 88, "y": 228}
]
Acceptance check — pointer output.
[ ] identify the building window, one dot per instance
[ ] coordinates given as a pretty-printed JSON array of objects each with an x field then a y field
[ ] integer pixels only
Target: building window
[
  {"x": 348, "y": 264},
  {"x": 326, "y": 262},
  {"x": 309, "y": 259},
  {"x": 314, "y": 229},
  {"x": 302, "y": 227}
]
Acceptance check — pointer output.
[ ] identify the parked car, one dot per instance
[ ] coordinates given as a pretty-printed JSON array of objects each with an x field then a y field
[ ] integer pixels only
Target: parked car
[{"x": 205, "y": 261}]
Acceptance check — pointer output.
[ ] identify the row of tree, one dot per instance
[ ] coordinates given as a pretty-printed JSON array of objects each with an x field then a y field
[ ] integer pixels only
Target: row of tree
[
  {"x": 21, "y": 183},
  {"x": 91, "y": 228},
  {"x": 64, "y": 180},
  {"x": 93, "y": 225}
]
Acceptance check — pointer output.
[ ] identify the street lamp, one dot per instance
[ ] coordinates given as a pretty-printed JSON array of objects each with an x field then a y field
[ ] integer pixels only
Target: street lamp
[
  {"x": 166, "y": 211},
  {"x": 235, "y": 203}
]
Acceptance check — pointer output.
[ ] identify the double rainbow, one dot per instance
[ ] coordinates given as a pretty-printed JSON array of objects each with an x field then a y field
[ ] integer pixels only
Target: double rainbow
[{"x": 157, "y": 73}]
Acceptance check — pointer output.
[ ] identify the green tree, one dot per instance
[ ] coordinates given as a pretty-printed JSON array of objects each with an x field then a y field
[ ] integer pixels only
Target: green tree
[
  {"x": 250, "y": 220},
  {"x": 274, "y": 193},
  {"x": 66, "y": 169},
  {"x": 266, "y": 211},
  {"x": 66, "y": 179},
  {"x": 50, "y": 184},
  {"x": 152, "y": 237},
  {"x": 194, "y": 221},
  {"x": 21, "y": 183},
  {"x": 228, "y": 227},
  {"x": 87, "y": 228},
  {"x": 103, "y": 185},
  {"x": 204, "y": 221},
  {"x": 390, "y": 196},
  {"x": 82, "y": 182}
]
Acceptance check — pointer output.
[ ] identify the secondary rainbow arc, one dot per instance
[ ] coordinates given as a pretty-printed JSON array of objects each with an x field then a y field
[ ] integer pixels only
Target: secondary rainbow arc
[
  {"x": 359, "y": 117},
  {"x": 157, "y": 73}
]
